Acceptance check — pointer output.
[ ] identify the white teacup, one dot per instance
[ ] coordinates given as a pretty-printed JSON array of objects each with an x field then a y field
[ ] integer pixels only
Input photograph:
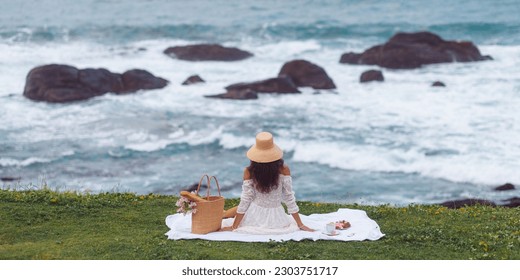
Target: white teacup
[{"x": 330, "y": 228}]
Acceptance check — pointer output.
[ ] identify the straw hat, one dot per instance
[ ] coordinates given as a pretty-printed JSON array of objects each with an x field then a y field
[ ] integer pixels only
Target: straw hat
[{"x": 264, "y": 150}]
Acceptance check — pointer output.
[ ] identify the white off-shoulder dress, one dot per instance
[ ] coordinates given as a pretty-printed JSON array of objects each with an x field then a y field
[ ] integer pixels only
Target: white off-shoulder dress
[{"x": 263, "y": 212}]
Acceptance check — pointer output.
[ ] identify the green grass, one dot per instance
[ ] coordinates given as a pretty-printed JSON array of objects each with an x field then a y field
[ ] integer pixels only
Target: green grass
[{"x": 44, "y": 224}]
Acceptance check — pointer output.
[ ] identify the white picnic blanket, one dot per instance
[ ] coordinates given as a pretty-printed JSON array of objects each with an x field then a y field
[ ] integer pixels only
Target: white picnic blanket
[{"x": 362, "y": 228}]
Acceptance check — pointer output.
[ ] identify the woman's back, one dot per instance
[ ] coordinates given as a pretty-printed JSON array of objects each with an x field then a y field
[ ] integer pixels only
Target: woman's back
[{"x": 276, "y": 196}]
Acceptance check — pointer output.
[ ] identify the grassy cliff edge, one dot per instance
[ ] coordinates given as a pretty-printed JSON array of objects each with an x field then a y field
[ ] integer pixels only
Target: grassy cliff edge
[{"x": 46, "y": 224}]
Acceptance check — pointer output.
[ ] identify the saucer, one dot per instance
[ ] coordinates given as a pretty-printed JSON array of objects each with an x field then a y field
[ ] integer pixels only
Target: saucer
[{"x": 331, "y": 234}]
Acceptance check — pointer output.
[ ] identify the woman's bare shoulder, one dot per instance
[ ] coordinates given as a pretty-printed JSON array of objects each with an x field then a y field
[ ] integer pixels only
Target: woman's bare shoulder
[
  {"x": 285, "y": 170},
  {"x": 247, "y": 175}
]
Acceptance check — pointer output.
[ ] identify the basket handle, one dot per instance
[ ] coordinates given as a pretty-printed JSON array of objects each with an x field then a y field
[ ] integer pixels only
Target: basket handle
[
  {"x": 218, "y": 186},
  {"x": 200, "y": 183}
]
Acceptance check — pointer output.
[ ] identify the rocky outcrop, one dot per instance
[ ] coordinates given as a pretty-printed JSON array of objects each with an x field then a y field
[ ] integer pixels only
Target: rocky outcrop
[
  {"x": 351, "y": 58},
  {"x": 455, "y": 204},
  {"x": 294, "y": 74},
  {"x": 413, "y": 50},
  {"x": 505, "y": 187},
  {"x": 512, "y": 202},
  {"x": 306, "y": 74},
  {"x": 195, "y": 79},
  {"x": 273, "y": 85},
  {"x": 203, "y": 188},
  {"x": 244, "y": 91},
  {"x": 194, "y": 187},
  {"x": 136, "y": 79},
  {"x": 205, "y": 52},
  {"x": 10, "y": 179},
  {"x": 438, "y": 84},
  {"x": 57, "y": 83},
  {"x": 371, "y": 75},
  {"x": 244, "y": 94}
]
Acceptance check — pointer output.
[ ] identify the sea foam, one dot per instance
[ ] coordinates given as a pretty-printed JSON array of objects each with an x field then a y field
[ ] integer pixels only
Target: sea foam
[{"x": 463, "y": 133}]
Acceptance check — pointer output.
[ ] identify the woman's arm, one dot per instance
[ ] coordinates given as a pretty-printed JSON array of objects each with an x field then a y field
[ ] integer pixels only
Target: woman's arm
[
  {"x": 299, "y": 222},
  {"x": 238, "y": 216},
  {"x": 287, "y": 172}
]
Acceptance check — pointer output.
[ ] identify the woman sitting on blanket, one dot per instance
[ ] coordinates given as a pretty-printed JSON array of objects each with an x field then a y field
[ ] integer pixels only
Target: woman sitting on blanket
[{"x": 267, "y": 183}]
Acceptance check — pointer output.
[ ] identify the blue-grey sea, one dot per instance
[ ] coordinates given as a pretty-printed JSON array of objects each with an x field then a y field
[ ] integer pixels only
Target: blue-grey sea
[{"x": 398, "y": 142}]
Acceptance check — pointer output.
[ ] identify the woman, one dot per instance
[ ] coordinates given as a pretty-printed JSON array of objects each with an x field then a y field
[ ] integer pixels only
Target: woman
[{"x": 267, "y": 183}]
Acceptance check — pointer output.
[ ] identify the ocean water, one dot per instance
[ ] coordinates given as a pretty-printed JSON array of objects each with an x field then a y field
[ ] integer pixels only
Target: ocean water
[{"x": 397, "y": 142}]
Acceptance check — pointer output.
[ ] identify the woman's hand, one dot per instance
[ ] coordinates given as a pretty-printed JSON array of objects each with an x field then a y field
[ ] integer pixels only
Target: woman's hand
[{"x": 306, "y": 228}]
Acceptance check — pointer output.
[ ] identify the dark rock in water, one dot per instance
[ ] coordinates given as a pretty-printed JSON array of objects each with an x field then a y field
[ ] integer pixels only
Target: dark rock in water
[
  {"x": 236, "y": 94},
  {"x": 57, "y": 83},
  {"x": 137, "y": 79},
  {"x": 10, "y": 179},
  {"x": 505, "y": 187},
  {"x": 193, "y": 188},
  {"x": 63, "y": 83},
  {"x": 438, "y": 84},
  {"x": 350, "y": 58},
  {"x": 454, "y": 204},
  {"x": 244, "y": 91},
  {"x": 213, "y": 189},
  {"x": 273, "y": 85},
  {"x": 100, "y": 80},
  {"x": 195, "y": 79},
  {"x": 513, "y": 202},
  {"x": 306, "y": 74},
  {"x": 371, "y": 75},
  {"x": 413, "y": 50},
  {"x": 205, "y": 52}
]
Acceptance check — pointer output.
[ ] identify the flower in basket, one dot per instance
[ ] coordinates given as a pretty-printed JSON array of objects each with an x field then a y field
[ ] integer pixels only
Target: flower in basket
[{"x": 186, "y": 206}]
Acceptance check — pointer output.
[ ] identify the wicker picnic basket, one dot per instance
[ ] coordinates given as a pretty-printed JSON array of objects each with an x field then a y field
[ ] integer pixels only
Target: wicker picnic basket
[{"x": 208, "y": 217}]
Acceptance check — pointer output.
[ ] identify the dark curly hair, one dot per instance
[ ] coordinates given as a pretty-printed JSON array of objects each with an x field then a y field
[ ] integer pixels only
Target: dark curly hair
[{"x": 265, "y": 175}]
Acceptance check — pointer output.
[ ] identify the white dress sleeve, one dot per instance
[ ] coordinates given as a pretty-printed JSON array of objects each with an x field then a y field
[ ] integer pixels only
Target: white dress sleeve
[
  {"x": 288, "y": 195},
  {"x": 248, "y": 193}
]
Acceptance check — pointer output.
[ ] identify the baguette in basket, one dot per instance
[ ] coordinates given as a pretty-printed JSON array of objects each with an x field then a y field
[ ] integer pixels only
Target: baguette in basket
[{"x": 230, "y": 213}]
